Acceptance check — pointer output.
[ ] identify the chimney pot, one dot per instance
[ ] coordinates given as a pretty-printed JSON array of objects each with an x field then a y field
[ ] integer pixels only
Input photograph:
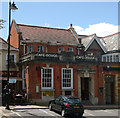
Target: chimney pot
[{"x": 70, "y": 25}]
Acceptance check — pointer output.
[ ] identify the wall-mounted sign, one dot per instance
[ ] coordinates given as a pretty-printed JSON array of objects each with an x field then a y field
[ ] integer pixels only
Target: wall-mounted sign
[
  {"x": 37, "y": 89},
  {"x": 5, "y": 73},
  {"x": 86, "y": 74},
  {"x": 47, "y": 55},
  {"x": 86, "y": 57},
  {"x": 12, "y": 80}
]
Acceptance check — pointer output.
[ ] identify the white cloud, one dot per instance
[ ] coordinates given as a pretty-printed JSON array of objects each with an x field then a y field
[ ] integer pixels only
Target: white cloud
[
  {"x": 101, "y": 29},
  {"x": 47, "y": 25}
]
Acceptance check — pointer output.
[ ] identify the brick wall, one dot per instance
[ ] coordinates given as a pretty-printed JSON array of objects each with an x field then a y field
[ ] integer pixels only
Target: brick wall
[{"x": 14, "y": 37}]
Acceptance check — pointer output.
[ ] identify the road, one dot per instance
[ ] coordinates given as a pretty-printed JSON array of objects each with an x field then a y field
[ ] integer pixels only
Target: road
[{"x": 45, "y": 113}]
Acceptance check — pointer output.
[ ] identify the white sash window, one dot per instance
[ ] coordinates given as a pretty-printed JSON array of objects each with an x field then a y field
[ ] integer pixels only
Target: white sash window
[
  {"x": 47, "y": 78},
  {"x": 67, "y": 78}
]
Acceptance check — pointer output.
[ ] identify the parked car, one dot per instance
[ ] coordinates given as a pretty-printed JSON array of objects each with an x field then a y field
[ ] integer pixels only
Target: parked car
[{"x": 67, "y": 106}]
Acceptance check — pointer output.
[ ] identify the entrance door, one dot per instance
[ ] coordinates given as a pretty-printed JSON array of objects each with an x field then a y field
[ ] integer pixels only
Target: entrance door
[
  {"x": 108, "y": 93},
  {"x": 109, "y": 90},
  {"x": 85, "y": 88}
]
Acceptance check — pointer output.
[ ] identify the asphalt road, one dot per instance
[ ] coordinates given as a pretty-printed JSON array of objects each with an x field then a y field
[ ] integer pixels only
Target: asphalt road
[{"x": 45, "y": 113}]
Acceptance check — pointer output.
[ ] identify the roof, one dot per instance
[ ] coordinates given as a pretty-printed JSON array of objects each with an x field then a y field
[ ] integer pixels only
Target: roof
[
  {"x": 107, "y": 43},
  {"x": 111, "y": 42},
  {"x": 85, "y": 41},
  {"x": 46, "y": 34},
  {"x": 4, "y": 45}
]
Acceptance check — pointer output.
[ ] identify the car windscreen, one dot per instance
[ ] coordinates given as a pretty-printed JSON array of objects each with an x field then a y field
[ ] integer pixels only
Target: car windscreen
[{"x": 74, "y": 100}]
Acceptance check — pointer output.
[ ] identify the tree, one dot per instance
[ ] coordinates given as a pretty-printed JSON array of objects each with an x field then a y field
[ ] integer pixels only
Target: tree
[{"x": 2, "y": 23}]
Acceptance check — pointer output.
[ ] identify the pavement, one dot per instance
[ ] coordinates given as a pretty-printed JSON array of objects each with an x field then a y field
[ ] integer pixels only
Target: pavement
[{"x": 4, "y": 113}]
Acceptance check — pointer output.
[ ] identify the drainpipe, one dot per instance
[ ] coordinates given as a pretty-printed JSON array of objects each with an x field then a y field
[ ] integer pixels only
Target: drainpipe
[
  {"x": 27, "y": 68},
  {"x": 24, "y": 47}
]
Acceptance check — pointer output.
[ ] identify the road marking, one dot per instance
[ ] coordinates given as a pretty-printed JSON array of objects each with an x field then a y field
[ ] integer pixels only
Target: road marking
[
  {"x": 85, "y": 113},
  {"x": 46, "y": 112},
  {"x": 110, "y": 111},
  {"x": 16, "y": 113}
]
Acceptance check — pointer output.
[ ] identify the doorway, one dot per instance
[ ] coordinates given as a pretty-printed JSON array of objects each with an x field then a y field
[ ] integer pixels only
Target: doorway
[
  {"x": 85, "y": 88},
  {"x": 109, "y": 89}
]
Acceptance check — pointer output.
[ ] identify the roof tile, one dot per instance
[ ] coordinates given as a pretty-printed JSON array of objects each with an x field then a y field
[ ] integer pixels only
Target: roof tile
[{"x": 52, "y": 35}]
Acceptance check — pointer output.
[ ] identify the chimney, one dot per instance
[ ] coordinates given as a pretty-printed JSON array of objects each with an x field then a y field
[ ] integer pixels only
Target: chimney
[{"x": 70, "y": 25}]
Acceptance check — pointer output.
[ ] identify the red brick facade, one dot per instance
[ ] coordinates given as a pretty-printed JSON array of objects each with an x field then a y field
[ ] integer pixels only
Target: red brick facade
[{"x": 87, "y": 71}]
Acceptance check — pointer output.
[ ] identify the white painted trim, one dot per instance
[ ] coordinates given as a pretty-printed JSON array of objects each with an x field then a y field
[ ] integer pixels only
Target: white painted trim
[
  {"x": 42, "y": 48},
  {"x": 11, "y": 54},
  {"x": 74, "y": 35},
  {"x": 38, "y": 41},
  {"x": 98, "y": 41},
  {"x": 71, "y": 78},
  {"x": 29, "y": 46},
  {"x": 23, "y": 78},
  {"x": 45, "y": 88},
  {"x": 111, "y": 54},
  {"x": 59, "y": 50}
]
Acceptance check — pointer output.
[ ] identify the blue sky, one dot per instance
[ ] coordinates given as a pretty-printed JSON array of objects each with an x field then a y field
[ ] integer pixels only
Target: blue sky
[{"x": 87, "y": 17}]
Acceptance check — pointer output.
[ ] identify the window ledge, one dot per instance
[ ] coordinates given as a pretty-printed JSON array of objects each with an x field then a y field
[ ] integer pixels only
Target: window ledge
[
  {"x": 67, "y": 89},
  {"x": 47, "y": 89}
]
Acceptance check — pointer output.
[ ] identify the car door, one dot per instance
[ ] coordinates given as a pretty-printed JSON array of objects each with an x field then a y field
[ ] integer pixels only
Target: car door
[
  {"x": 57, "y": 103},
  {"x": 60, "y": 104}
]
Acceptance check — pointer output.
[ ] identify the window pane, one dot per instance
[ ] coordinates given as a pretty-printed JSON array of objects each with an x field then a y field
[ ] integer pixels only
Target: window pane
[
  {"x": 40, "y": 48},
  {"x": 117, "y": 58},
  {"x": 47, "y": 78},
  {"x": 66, "y": 82},
  {"x": 104, "y": 59},
  {"x": 30, "y": 48}
]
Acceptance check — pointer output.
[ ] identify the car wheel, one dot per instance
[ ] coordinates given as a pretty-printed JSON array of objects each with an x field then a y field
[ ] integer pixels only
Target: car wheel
[
  {"x": 63, "y": 113},
  {"x": 50, "y": 107}
]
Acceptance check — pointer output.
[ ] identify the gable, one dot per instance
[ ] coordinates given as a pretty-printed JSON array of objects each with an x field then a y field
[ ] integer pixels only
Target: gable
[
  {"x": 95, "y": 46},
  {"x": 96, "y": 43}
]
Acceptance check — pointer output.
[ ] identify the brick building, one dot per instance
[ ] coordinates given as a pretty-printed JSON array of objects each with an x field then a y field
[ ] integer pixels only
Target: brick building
[
  {"x": 57, "y": 62},
  {"x": 14, "y": 79}
]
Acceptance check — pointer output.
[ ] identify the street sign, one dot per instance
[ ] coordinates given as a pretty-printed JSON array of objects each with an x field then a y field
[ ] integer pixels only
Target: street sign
[{"x": 12, "y": 80}]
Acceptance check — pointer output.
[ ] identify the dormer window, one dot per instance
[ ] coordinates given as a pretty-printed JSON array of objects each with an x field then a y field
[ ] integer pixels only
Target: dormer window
[
  {"x": 61, "y": 49},
  {"x": 40, "y": 48},
  {"x": 70, "y": 49},
  {"x": 29, "y": 48}
]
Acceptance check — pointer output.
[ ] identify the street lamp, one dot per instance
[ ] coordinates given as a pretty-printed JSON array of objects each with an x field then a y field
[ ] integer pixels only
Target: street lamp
[{"x": 11, "y": 7}]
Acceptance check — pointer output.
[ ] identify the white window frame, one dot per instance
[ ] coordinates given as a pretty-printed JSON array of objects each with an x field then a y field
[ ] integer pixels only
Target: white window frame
[
  {"x": 10, "y": 55},
  {"x": 42, "y": 77},
  {"x": 39, "y": 48},
  {"x": 29, "y": 48},
  {"x": 90, "y": 53},
  {"x": 111, "y": 58},
  {"x": 108, "y": 58},
  {"x": 70, "y": 49},
  {"x": 60, "y": 49},
  {"x": 23, "y": 78},
  {"x": 104, "y": 59},
  {"x": 71, "y": 78},
  {"x": 115, "y": 57}
]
